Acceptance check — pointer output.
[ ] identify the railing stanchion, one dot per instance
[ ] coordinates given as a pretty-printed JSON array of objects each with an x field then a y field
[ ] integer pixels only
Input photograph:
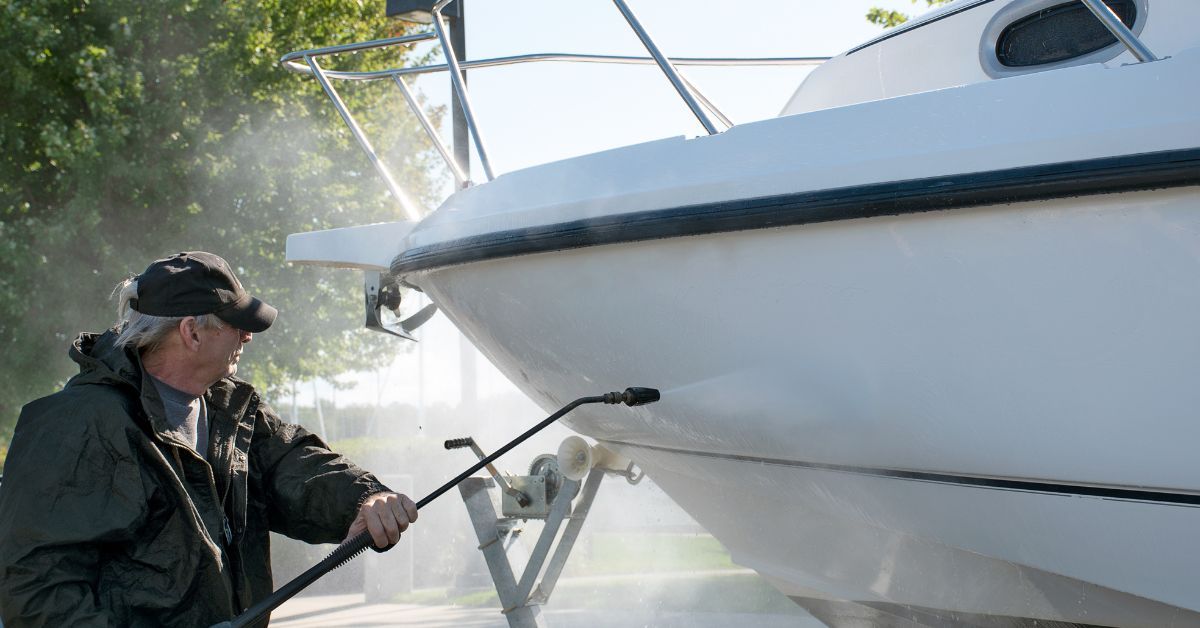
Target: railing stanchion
[
  {"x": 708, "y": 103},
  {"x": 460, "y": 177},
  {"x": 305, "y": 62},
  {"x": 1119, "y": 30},
  {"x": 406, "y": 204},
  {"x": 667, "y": 68},
  {"x": 460, "y": 87}
]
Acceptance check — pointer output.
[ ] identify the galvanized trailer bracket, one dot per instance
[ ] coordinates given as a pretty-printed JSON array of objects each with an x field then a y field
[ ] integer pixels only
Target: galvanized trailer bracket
[{"x": 521, "y": 601}]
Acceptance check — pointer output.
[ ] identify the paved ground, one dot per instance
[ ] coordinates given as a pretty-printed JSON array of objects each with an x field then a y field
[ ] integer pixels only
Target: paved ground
[{"x": 351, "y": 611}]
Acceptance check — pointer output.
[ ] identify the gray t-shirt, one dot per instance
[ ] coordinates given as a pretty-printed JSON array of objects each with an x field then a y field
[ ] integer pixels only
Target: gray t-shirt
[{"x": 186, "y": 415}]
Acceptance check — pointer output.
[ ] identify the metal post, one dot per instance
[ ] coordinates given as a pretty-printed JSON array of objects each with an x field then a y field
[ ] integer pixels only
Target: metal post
[
  {"x": 462, "y": 154},
  {"x": 558, "y": 511},
  {"x": 406, "y": 204},
  {"x": 1115, "y": 26},
  {"x": 707, "y": 103},
  {"x": 460, "y": 176},
  {"x": 559, "y": 559},
  {"x": 667, "y": 68},
  {"x": 496, "y": 543},
  {"x": 461, "y": 136},
  {"x": 491, "y": 543},
  {"x": 460, "y": 87}
]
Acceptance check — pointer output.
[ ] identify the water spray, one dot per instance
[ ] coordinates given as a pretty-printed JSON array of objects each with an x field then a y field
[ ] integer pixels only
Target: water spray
[{"x": 349, "y": 549}]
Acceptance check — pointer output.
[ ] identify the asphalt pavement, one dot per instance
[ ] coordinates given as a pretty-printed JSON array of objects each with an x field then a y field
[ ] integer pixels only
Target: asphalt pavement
[{"x": 351, "y": 611}]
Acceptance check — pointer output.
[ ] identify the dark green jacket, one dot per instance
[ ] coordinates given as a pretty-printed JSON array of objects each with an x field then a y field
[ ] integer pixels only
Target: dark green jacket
[{"x": 108, "y": 520}]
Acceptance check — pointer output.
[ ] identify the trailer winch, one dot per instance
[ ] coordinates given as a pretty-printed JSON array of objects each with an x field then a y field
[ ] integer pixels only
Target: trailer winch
[{"x": 550, "y": 493}]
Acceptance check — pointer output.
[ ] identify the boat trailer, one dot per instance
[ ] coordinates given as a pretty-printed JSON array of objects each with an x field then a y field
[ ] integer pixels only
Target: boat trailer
[
  {"x": 577, "y": 462},
  {"x": 548, "y": 493}
]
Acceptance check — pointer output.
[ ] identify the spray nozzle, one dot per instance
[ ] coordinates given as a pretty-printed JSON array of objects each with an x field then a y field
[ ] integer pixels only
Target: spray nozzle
[{"x": 633, "y": 396}]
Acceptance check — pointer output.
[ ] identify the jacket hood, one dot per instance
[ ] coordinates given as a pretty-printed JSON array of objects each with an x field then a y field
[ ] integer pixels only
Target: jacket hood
[{"x": 102, "y": 362}]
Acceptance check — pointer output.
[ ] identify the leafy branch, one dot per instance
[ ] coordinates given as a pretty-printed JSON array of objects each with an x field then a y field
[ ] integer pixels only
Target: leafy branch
[{"x": 888, "y": 18}]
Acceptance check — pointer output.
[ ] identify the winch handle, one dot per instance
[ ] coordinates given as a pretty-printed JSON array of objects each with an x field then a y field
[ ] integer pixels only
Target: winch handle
[
  {"x": 459, "y": 443},
  {"x": 355, "y": 546}
]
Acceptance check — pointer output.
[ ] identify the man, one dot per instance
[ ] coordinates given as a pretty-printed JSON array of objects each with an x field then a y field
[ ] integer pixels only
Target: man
[{"x": 143, "y": 492}]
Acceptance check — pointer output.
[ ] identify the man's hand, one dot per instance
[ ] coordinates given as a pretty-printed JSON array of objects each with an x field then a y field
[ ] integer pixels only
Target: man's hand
[{"x": 385, "y": 516}]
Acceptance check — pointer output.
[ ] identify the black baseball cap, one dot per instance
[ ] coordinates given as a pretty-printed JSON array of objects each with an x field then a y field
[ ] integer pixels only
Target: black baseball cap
[{"x": 195, "y": 283}]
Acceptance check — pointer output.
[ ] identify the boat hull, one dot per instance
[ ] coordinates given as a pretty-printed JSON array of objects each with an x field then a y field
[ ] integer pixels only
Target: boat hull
[
  {"x": 840, "y": 542},
  {"x": 988, "y": 410}
]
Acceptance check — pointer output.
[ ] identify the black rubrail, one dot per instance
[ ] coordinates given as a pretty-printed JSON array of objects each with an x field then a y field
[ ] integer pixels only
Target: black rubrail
[{"x": 1143, "y": 171}]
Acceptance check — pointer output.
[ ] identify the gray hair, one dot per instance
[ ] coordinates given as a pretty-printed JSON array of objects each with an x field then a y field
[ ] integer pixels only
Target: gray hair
[{"x": 144, "y": 332}]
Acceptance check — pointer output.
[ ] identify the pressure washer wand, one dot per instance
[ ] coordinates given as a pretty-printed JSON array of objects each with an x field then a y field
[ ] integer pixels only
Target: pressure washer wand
[{"x": 355, "y": 546}]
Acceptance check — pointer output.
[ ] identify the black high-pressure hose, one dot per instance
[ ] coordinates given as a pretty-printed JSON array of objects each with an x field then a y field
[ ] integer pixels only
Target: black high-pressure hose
[{"x": 353, "y": 547}]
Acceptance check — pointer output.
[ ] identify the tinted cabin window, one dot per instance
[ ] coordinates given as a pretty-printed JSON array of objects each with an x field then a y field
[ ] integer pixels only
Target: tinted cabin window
[{"x": 1059, "y": 33}]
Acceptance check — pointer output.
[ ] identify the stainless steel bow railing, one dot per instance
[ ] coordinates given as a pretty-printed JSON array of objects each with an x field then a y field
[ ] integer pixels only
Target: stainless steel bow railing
[
  {"x": 1109, "y": 19},
  {"x": 305, "y": 62}
]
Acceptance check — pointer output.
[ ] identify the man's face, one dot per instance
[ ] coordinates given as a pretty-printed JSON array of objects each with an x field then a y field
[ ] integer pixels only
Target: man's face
[{"x": 221, "y": 349}]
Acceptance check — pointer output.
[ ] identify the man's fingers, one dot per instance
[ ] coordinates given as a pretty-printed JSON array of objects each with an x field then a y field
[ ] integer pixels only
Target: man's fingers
[
  {"x": 410, "y": 508},
  {"x": 383, "y": 528},
  {"x": 398, "y": 514},
  {"x": 385, "y": 516}
]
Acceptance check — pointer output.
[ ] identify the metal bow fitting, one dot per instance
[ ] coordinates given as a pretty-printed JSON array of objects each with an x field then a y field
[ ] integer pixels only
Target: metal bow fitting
[{"x": 382, "y": 294}]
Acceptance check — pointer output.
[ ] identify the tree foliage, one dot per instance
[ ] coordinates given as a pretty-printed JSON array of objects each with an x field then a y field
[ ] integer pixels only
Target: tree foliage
[
  {"x": 888, "y": 18},
  {"x": 133, "y": 130}
]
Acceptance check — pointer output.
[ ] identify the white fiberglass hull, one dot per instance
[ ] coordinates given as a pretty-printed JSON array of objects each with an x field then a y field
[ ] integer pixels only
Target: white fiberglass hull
[
  {"x": 837, "y": 397},
  {"x": 940, "y": 554},
  {"x": 929, "y": 354}
]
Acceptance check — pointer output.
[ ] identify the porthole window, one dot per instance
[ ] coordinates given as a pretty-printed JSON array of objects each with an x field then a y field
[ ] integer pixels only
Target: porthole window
[
  {"x": 1026, "y": 36},
  {"x": 1059, "y": 33}
]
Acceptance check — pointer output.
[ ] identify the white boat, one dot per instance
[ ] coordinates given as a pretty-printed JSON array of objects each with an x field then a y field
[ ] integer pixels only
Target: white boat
[{"x": 927, "y": 341}]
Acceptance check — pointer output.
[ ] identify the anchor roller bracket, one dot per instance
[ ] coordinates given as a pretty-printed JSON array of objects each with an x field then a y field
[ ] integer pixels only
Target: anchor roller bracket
[{"x": 381, "y": 292}]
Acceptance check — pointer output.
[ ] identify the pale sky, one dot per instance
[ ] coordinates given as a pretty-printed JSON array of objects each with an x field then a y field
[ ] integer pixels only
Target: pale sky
[{"x": 536, "y": 113}]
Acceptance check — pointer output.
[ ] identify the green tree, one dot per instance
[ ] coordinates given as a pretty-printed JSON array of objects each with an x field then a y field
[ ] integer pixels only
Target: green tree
[
  {"x": 888, "y": 18},
  {"x": 132, "y": 130}
]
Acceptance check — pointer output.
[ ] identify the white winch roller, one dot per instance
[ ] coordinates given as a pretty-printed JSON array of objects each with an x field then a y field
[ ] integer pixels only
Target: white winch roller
[{"x": 576, "y": 457}]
